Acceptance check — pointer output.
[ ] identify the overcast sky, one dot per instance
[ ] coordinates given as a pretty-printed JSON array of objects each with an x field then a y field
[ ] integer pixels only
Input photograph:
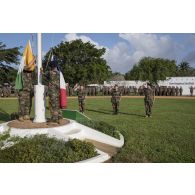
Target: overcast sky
[{"x": 123, "y": 50}]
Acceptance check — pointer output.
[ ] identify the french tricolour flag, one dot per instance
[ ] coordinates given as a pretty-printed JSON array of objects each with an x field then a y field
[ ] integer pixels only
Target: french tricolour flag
[{"x": 63, "y": 96}]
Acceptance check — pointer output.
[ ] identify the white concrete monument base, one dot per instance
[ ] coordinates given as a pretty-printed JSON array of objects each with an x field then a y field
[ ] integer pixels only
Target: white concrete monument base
[{"x": 70, "y": 131}]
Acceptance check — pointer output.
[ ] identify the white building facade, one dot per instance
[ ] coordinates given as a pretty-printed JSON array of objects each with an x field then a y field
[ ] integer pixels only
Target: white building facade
[{"x": 184, "y": 82}]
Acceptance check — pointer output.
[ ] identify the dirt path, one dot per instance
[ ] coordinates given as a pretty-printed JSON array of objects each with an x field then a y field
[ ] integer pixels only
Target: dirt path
[{"x": 112, "y": 151}]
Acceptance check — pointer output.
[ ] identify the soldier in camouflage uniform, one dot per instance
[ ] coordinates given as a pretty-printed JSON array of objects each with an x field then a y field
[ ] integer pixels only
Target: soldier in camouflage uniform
[
  {"x": 191, "y": 91},
  {"x": 5, "y": 90},
  {"x": 1, "y": 91},
  {"x": 51, "y": 78},
  {"x": 81, "y": 96},
  {"x": 25, "y": 95},
  {"x": 115, "y": 99},
  {"x": 165, "y": 91},
  {"x": 177, "y": 91},
  {"x": 169, "y": 91},
  {"x": 180, "y": 91},
  {"x": 148, "y": 100}
]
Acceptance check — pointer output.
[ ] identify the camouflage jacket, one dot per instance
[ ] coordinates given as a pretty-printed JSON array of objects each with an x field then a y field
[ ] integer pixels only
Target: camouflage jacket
[
  {"x": 81, "y": 94},
  {"x": 28, "y": 81},
  {"x": 149, "y": 94},
  {"x": 52, "y": 80},
  {"x": 116, "y": 95}
]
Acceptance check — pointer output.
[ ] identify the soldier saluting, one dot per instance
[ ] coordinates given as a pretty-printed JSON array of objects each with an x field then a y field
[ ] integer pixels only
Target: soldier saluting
[
  {"x": 81, "y": 96},
  {"x": 51, "y": 79},
  {"x": 115, "y": 99},
  {"x": 148, "y": 99}
]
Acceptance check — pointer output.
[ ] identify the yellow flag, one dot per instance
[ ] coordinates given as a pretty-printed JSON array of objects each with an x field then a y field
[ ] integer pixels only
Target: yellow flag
[{"x": 29, "y": 58}]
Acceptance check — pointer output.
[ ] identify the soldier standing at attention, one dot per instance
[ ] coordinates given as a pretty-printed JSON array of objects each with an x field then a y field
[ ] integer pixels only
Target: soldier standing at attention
[
  {"x": 177, "y": 90},
  {"x": 191, "y": 90},
  {"x": 25, "y": 95},
  {"x": 81, "y": 96},
  {"x": 115, "y": 99},
  {"x": 169, "y": 91},
  {"x": 1, "y": 91},
  {"x": 51, "y": 79},
  {"x": 148, "y": 100},
  {"x": 180, "y": 91}
]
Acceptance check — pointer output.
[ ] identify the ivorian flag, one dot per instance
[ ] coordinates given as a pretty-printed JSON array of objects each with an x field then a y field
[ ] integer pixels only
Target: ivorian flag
[
  {"x": 63, "y": 96},
  {"x": 27, "y": 63}
]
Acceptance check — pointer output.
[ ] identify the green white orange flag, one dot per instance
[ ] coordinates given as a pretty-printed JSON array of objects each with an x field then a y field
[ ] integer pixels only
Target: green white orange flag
[{"x": 27, "y": 63}]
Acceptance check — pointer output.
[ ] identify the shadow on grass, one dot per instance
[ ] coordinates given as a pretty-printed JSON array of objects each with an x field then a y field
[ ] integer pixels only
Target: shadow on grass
[
  {"x": 110, "y": 112},
  {"x": 131, "y": 114},
  {"x": 98, "y": 111},
  {"x": 4, "y": 116}
]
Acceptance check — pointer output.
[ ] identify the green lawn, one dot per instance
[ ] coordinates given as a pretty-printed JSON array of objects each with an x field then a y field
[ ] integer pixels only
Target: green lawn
[{"x": 169, "y": 136}]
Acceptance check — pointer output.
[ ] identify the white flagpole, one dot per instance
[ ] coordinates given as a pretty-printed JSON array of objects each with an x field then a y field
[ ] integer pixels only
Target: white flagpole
[{"x": 39, "y": 88}]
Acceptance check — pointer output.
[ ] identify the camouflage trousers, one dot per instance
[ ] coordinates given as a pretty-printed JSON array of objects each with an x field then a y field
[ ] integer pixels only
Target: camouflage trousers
[
  {"x": 148, "y": 107},
  {"x": 81, "y": 105},
  {"x": 25, "y": 103},
  {"x": 54, "y": 106},
  {"x": 115, "y": 106}
]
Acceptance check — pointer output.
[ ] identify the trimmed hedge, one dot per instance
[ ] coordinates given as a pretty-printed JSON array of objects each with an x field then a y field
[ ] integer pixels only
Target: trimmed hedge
[
  {"x": 42, "y": 149},
  {"x": 102, "y": 127}
]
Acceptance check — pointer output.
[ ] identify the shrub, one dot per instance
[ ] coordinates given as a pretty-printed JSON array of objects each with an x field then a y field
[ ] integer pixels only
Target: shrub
[
  {"x": 42, "y": 149},
  {"x": 102, "y": 127},
  {"x": 4, "y": 136}
]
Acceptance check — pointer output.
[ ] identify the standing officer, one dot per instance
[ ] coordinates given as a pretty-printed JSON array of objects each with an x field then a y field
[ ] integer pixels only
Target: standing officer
[
  {"x": 1, "y": 90},
  {"x": 169, "y": 91},
  {"x": 177, "y": 90},
  {"x": 115, "y": 99},
  {"x": 25, "y": 95},
  {"x": 81, "y": 96},
  {"x": 191, "y": 90},
  {"x": 51, "y": 79},
  {"x": 180, "y": 91},
  {"x": 148, "y": 99}
]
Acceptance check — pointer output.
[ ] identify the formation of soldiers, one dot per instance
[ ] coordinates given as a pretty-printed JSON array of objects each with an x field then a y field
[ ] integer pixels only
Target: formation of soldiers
[
  {"x": 168, "y": 91},
  {"x": 5, "y": 90},
  {"x": 128, "y": 91}
]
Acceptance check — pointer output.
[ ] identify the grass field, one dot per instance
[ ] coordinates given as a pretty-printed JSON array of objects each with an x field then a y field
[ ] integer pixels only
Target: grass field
[{"x": 169, "y": 136}]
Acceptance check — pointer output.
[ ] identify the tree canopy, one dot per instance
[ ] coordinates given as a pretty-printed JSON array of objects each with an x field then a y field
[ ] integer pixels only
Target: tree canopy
[
  {"x": 80, "y": 62},
  {"x": 152, "y": 69},
  {"x": 184, "y": 69},
  {"x": 155, "y": 69},
  {"x": 8, "y": 56},
  {"x": 7, "y": 74},
  {"x": 116, "y": 76}
]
